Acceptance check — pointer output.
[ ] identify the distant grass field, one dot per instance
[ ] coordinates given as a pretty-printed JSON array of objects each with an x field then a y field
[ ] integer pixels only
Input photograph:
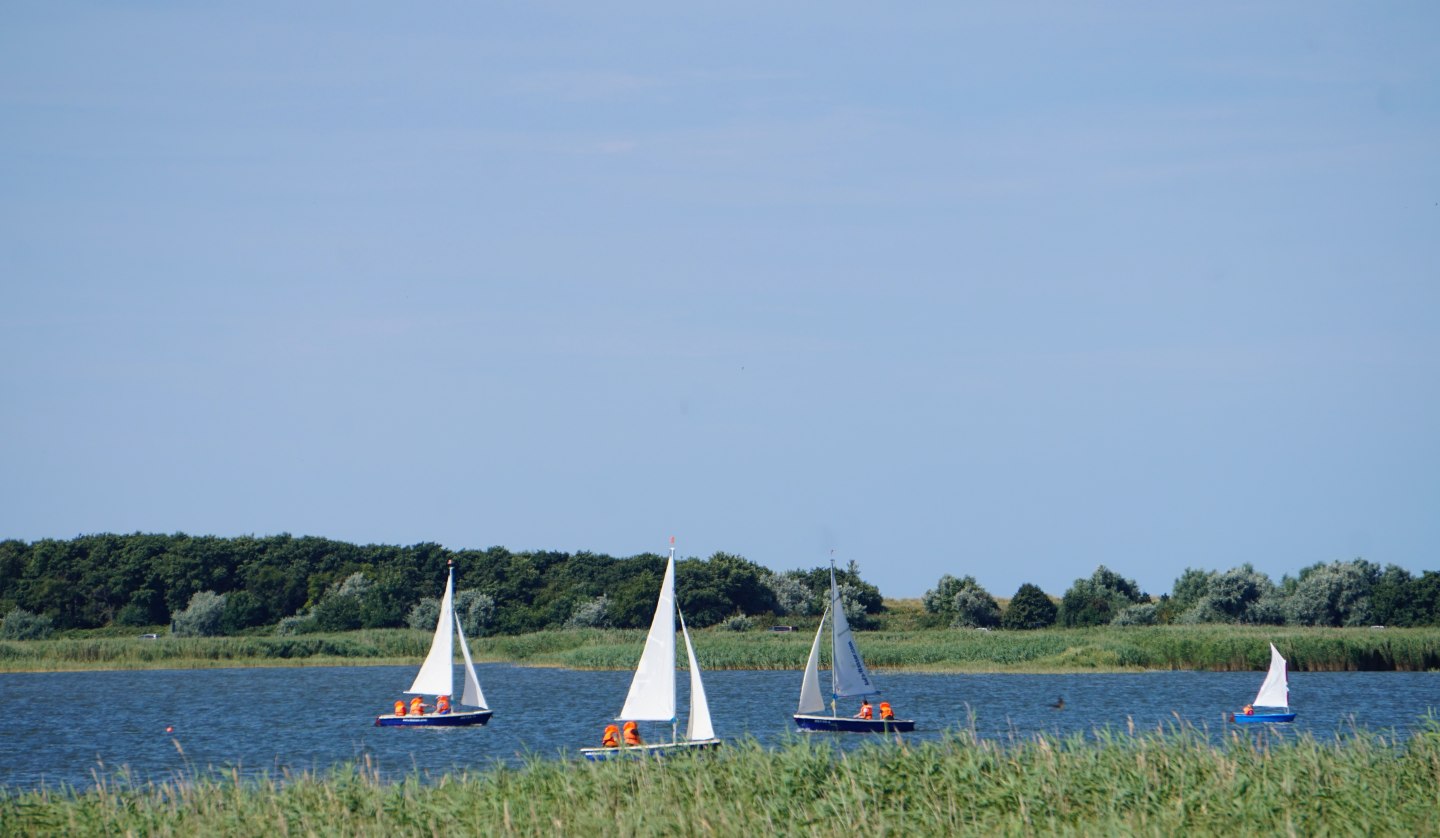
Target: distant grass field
[
  {"x": 1164, "y": 783},
  {"x": 1216, "y": 648}
]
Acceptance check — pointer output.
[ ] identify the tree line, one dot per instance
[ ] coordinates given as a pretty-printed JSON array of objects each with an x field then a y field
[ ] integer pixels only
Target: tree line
[
  {"x": 1339, "y": 593},
  {"x": 213, "y": 585}
]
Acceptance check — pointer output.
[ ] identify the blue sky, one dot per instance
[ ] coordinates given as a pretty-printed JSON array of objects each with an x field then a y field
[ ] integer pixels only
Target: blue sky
[{"x": 1001, "y": 289}]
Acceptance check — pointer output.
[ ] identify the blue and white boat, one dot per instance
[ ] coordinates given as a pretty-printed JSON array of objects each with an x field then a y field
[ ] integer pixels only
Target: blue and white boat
[
  {"x": 848, "y": 679},
  {"x": 437, "y": 674},
  {"x": 1274, "y": 695},
  {"x": 652, "y": 691}
]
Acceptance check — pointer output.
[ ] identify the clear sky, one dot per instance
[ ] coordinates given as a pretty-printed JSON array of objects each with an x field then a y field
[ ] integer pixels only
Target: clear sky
[{"x": 1002, "y": 289}]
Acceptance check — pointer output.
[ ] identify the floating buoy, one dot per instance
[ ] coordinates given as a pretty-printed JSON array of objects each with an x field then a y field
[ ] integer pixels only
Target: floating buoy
[{"x": 169, "y": 729}]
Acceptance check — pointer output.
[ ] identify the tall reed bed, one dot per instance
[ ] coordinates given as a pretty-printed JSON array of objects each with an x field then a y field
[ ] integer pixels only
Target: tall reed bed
[
  {"x": 1214, "y": 648},
  {"x": 1162, "y": 783}
]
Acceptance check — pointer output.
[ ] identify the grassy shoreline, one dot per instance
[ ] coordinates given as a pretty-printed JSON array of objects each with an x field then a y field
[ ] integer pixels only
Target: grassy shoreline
[
  {"x": 1161, "y": 783},
  {"x": 1131, "y": 649}
]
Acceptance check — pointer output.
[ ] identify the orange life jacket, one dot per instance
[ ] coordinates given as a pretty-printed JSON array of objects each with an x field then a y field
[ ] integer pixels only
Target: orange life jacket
[
  {"x": 442, "y": 704},
  {"x": 885, "y": 711},
  {"x": 417, "y": 706},
  {"x": 632, "y": 734},
  {"x": 866, "y": 712},
  {"x": 611, "y": 738},
  {"x": 1249, "y": 711},
  {"x": 399, "y": 708}
]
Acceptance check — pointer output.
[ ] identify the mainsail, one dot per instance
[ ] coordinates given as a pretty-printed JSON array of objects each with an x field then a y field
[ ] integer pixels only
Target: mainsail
[
  {"x": 652, "y": 692},
  {"x": 437, "y": 673},
  {"x": 847, "y": 670},
  {"x": 1274, "y": 692}
]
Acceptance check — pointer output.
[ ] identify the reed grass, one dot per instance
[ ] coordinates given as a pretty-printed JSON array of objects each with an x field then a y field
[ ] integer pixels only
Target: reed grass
[
  {"x": 1167, "y": 782},
  {"x": 1211, "y": 648}
]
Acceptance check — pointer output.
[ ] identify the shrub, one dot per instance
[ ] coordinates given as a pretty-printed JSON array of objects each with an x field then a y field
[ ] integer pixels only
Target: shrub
[
  {"x": 1136, "y": 615},
  {"x": 22, "y": 625},
  {"x": 202, "y": 617},
  {"x": 738, "y": 622},
  {"x": 591, "y": 614},
  {"x": 476, "y": 611}
]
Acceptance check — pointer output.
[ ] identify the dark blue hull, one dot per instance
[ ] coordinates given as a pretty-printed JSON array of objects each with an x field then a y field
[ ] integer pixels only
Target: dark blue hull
[
  {"x": 639, "y": 751},
  {"x": 1262, "y": 718},
  {"x": 843, "y": 724},
  {"x": 456, "y": 719}
]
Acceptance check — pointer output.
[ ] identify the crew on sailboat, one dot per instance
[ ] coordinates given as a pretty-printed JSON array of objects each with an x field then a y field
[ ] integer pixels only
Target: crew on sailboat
[
  {"x": 886, "y": 714},
  {"x": 1249, "y": 710},
  {"x": 865, "y": 710},
  {"x": 442, "y": 704},
  {"x": 632, "y": 734},
  {"x": 417, "y": 706},
  {"x": 611, "y": 739},
  {"x": 399, "y": 708}
]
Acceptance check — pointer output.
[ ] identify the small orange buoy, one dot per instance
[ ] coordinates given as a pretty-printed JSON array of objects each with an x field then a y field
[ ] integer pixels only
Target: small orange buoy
[{"x": 169, "y": 729}]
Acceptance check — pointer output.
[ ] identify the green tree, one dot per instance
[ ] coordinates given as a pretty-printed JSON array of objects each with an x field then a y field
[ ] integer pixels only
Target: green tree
[
  {"x": 1334, "y": 594},
  {"x": 1030, "y": 608},
  {"x": 963, "y": 602},
  {"x": 1095, "y": 601}
]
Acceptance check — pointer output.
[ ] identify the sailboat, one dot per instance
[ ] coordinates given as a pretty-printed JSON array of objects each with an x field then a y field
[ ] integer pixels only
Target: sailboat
[
  {"x": 848, "y": 679},
  {"x": 652, "y": 691},
  {"x": 437, "y": 674},
  {"x": 1274, "y": 693}
]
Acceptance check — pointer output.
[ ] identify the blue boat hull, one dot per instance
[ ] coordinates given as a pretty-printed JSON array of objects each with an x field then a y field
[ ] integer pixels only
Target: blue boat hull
[
  {"x": 456, "y": 719},
  {"x": 1261, "y": 718},
  {"x": 641, "y": 751},
  {"x": 843, "y": 724}
]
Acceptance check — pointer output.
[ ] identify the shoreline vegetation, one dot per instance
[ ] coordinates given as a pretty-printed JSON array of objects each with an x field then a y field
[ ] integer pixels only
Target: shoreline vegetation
[
  {"x": 1106, "y": 649},
  {"x": 1166, "y": 782}
]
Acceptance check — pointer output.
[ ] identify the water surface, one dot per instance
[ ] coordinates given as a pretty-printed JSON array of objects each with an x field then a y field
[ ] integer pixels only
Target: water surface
[{"x": 68, "y": 728}]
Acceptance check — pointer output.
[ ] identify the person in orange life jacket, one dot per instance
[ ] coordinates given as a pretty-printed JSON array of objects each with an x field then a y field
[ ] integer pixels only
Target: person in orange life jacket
[
  {"x": 442, "y": 704},
  {"x": 1249, "y": 710},
  {"x": 399, "y": 708},
  {"x": 417, "y": 706},
  {"x": 611, "y": 739},
  {"x": 865, "y": 710},
  {"x": 885, "y": 712},
  {"x": 632, "y": 734}
]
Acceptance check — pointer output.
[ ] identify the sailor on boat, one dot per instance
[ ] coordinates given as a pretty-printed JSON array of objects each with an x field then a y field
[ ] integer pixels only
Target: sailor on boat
[
  {"x": 632, "y": 734},
  {"x": 865, "y": 710},
  {"x": 886, "y": 714},
  {"x": 417, "y": 706},
  {"x": 442, "y": 704},
  {"x": 611, "y": 739}
]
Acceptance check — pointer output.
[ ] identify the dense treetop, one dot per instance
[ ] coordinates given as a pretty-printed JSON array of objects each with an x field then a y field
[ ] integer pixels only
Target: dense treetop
[{"x": 307, "y": 582}]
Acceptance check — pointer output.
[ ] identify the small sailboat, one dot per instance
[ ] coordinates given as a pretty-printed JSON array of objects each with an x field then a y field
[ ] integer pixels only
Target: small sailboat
[
  {"x": 848, "y": 679},
  {"x": 1274, "y": 693},
  {"x": 437, "y": 674},
  {"x": 652, "y": 691}
]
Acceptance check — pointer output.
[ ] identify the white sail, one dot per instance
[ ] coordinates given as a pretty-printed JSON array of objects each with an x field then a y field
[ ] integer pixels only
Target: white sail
[
  {"x": 810, "y": 698},
  {"x": 652, "y": 692},
  {"x": 437, "y": 673},
  {"x": 1274, "y": 692},
  {"x": 472, "y": 697},
  {"x": 699, "y": 727},
  {"x": 847, "y": 671}
]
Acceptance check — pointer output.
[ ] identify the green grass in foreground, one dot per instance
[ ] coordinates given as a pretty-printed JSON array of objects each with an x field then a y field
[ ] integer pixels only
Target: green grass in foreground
[
  {"x": 1216, "y": 648},
  {"x": 1171, "y": 783}
]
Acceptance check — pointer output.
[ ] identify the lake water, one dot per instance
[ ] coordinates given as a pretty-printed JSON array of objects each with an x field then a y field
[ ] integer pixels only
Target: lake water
[{"x": 69, "y": 728}]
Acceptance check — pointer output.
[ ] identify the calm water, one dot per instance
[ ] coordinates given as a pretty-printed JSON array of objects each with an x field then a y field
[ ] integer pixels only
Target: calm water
[{"x": 67, "y": 728}]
